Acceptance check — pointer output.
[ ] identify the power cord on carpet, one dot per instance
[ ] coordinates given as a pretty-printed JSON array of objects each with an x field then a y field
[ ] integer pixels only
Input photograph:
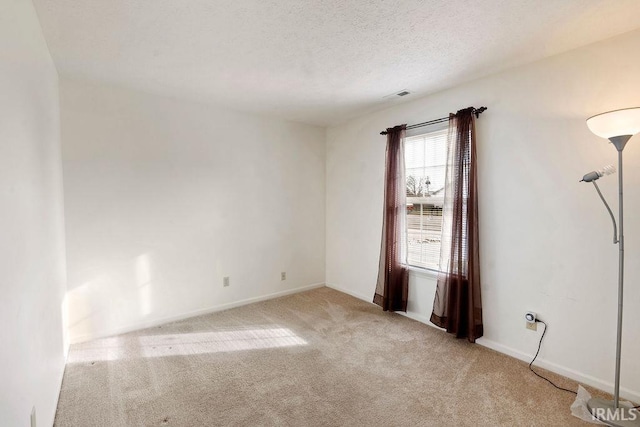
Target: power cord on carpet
[
  {"x": 536, "y": 356},
  {"x": 547, "y": 379}
]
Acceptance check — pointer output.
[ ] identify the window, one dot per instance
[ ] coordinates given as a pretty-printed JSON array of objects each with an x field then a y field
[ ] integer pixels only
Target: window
[{"x": 425, "y": 163}]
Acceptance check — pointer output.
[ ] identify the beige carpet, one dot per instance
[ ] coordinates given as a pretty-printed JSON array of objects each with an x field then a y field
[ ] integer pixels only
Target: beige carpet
[{"x": 318, "y": 358}]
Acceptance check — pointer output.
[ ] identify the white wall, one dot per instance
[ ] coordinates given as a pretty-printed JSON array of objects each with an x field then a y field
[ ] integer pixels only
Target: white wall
[
  {"x": 545, "y": 238},
  {"x": 32, "y": 266},
  {"x": 164, "y": 198}
]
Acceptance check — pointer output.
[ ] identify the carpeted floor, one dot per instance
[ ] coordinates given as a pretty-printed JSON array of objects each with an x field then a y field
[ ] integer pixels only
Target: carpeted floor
[{"x": 318, "y": 358}]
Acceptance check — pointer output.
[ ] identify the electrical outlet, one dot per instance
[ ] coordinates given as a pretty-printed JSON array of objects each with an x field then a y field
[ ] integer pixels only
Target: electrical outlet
[
  {"x": 283, "y": 275},
  {"x": 531, "y": 317},
  {"x": 33, "y": 417},
  {"x": 225, "y": 281}
]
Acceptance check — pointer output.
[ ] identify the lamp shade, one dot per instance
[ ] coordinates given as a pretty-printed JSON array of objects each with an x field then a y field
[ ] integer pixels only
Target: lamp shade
[{"x": 615, "y": 123}]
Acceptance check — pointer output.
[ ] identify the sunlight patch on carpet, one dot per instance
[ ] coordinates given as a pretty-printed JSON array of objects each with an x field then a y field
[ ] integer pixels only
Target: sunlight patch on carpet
[{"x": 180, "y": 344}]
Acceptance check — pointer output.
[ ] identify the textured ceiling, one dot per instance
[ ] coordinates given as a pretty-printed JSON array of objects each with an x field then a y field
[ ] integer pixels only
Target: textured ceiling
[{"x": 315, "y": 61}]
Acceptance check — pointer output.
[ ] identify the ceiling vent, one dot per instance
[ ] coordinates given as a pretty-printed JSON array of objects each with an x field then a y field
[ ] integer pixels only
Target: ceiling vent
[{"x": 402, "y": 93}]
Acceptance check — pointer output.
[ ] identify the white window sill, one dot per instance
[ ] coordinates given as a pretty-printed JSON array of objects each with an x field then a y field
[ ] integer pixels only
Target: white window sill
[{"x": 422, "y": 272}]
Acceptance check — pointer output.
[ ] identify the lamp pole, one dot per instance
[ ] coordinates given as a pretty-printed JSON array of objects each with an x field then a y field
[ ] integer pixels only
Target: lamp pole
[
  {"x": 605, "y": 410},
  {"x": 619, "y": 142}
]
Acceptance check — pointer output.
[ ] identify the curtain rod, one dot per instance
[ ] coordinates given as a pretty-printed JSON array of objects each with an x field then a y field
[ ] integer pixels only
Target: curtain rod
[{"x": 476, "y": 111}]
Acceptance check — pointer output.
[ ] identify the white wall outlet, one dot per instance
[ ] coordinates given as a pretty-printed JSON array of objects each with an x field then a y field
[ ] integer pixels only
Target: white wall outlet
[
  {"x": 283, "y": 275},
  {"x": 33, "y": 417},
  {"x": 225, "y": 281}
]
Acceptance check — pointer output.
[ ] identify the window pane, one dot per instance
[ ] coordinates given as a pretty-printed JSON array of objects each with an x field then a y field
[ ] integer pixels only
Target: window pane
[{"x": 425, "y": 162}]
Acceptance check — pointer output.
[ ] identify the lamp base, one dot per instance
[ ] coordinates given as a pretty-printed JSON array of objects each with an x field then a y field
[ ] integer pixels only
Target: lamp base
[{"x": 605, "y": 411}]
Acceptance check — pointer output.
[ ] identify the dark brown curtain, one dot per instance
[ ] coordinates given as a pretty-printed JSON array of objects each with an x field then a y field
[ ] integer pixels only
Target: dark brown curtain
[
  {"x": 392, "y": 287},
  {"x": 458, "y": 304}
]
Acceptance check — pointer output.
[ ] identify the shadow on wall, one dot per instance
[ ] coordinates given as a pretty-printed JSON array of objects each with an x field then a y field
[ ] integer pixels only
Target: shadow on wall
[{"x": 181, "y": 344}]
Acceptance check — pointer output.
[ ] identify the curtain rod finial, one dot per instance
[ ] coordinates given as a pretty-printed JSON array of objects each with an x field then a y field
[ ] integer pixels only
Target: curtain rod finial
[{"x": 478, "y": 111}]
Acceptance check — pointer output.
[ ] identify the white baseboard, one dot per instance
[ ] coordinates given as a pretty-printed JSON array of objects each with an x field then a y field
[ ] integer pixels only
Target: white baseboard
[
  {"x": 420, "y": 318},
  {"x": 500, "y": 348},
  {"x": 199, "y": 312},
  {"x": 55, "y": 408},
  {"x": 368, "y": 298}
]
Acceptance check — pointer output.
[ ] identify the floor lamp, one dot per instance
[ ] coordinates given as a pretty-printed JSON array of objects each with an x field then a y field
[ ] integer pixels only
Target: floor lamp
[{"x": 618, "y": 127}]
